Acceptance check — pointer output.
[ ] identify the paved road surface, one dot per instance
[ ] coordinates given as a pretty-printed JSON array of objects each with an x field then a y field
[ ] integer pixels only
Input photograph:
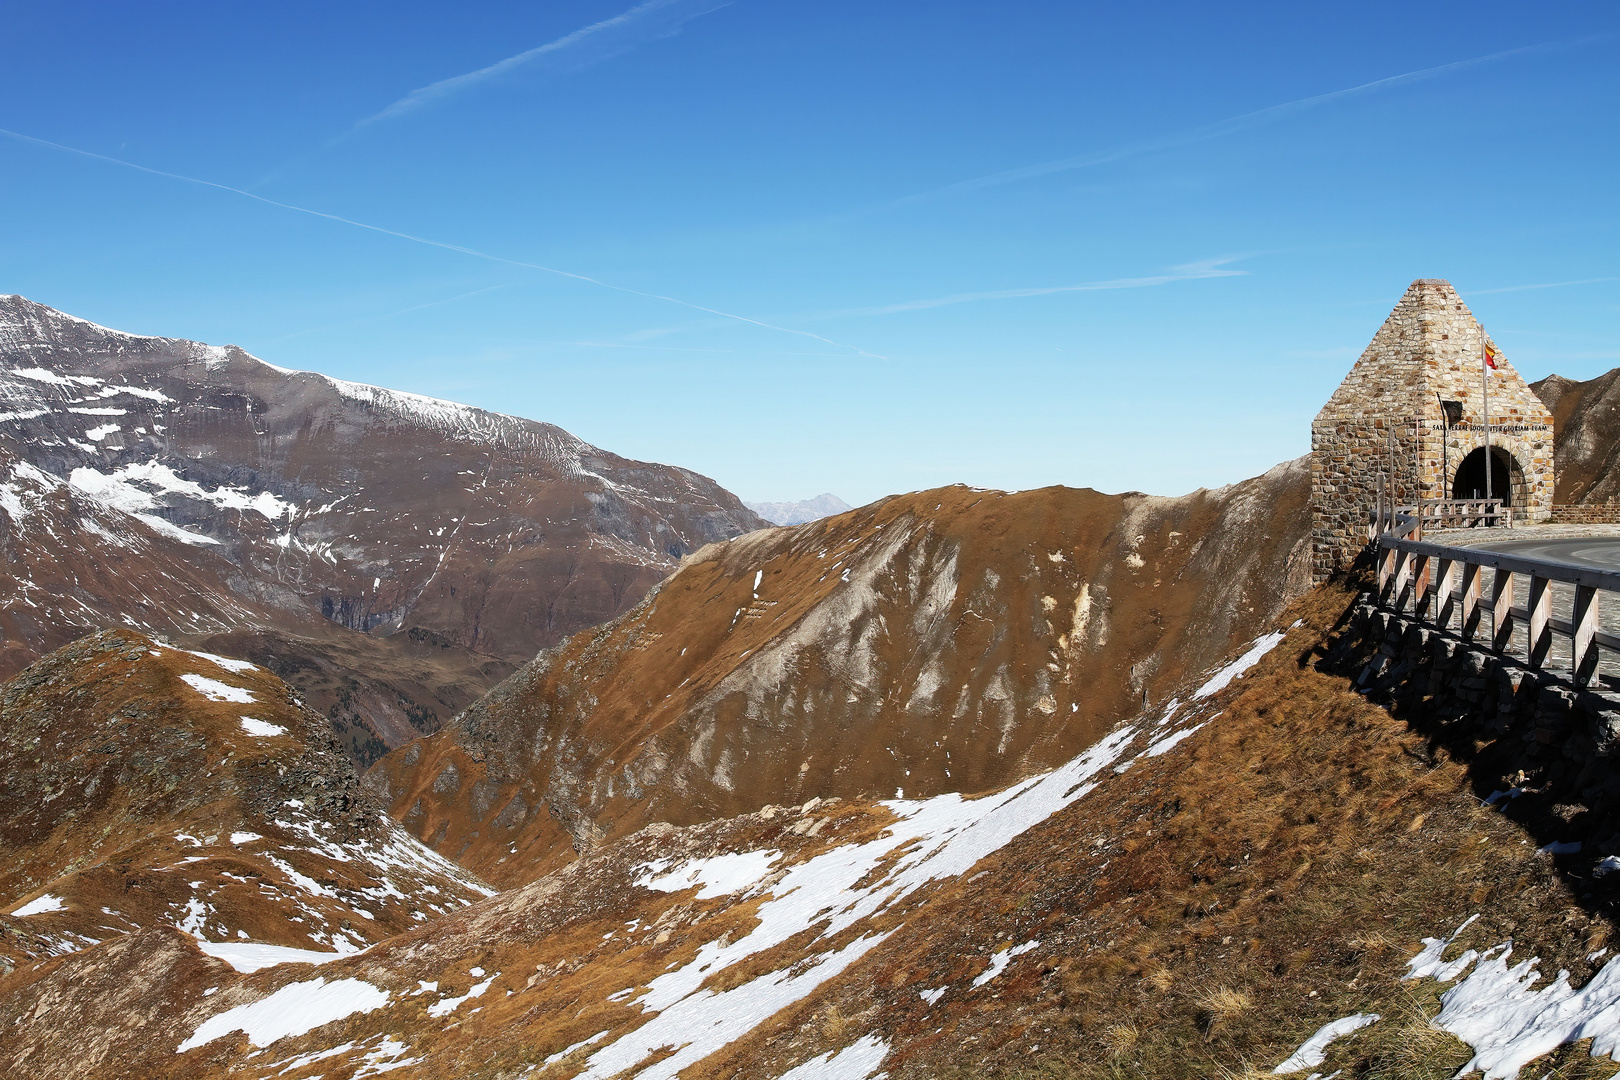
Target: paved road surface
[{"x": 1602, "y": 552}]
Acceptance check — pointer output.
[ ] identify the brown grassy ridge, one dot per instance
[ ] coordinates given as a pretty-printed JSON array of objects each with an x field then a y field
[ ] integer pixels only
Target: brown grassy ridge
[{"x": 1210, "y": 910}]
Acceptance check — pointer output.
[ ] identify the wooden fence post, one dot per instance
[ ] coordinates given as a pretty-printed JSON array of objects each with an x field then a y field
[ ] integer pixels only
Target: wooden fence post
[
  {"x": 1539, "y": 608},
  {"x": 1403, "y": 578},
  {"x": 1469, "y": 623},
  {"x": 1502, "y": 610},
  {"x": 1584, "y": 621},
  {"x": 1445, "y": 602}
]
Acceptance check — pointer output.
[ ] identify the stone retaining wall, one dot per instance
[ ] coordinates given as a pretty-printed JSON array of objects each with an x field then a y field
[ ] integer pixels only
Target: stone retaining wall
[
  {"x": 1595, "y": 514},
  {"x": 1520, "y": 729}
]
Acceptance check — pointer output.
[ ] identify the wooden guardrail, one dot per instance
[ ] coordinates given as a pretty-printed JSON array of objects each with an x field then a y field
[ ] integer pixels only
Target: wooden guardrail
[
  {"x": 1445, "y": 584},
  {"x": 1410, "y": 521},
  {"x": 1461, "y": 513}
]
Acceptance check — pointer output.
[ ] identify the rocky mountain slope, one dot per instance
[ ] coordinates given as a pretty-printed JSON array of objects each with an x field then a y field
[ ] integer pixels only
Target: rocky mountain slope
[
  {"x": 148, "y": 786},
  {"x": 69, "y": 561},
  {"x": 949, "y": 640},
  {"x": 467, "y": 538},
  {"x": 1273, "y": 873},
  {"x": 1586, "y": 416}
]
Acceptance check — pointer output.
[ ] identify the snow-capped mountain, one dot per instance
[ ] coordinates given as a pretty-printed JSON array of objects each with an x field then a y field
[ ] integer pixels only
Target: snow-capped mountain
[
  {"x": 384, "y": 512},
  {"x": 797, "y": 513}
]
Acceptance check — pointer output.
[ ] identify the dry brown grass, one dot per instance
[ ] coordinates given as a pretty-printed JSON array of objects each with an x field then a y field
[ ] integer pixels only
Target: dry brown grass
[
  {"x": 1120, "y": 1039},
  {"x": 1218, "y": 1006},
  {"x": 1274, "y": 875}
]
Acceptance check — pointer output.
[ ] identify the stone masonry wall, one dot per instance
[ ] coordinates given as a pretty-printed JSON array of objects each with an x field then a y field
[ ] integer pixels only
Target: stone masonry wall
[
  {"x": 1550, "y": 751},
  {"x": 1386, "y": 417},
  {"x": 1595, "y": 514}
]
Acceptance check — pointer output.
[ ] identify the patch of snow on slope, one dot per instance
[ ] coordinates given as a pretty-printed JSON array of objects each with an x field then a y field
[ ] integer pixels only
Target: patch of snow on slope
[
  {"x": 295, "y": 1009},
  {"x": 235, "y": 667},
  {"x": 214, "y": 690},
  {"x": 449, "y": 1005},
  {"x": 1495, "y": 1011},
  {"x": 136, "y": 391},
  {"x": 444, "y": 415},
  {"x": 1314, "y": 1049},
  {"x": 135, "y": 488},
  {"x": 25, "y": 491},
  {"x": 1223, "y": 678},
  {"x": 707, "y": 1021},
  {"x": 939, "y": 837},
  {"x": 118, "y": 495},
  {"x": 386, "y": 1058},
  {"x": 1169, "y": 742},
  {"x": 857, "y": 1061},
  {"x": 998, "y": 962},
  {"x": 40, "y": 905},
  {"x": 249, "y": 956},
  {"x": 719, "y": 876},
  {"x": 1508, "y": 1023},
  {"x": 51, "y": 378},
  {"x": 1429, "y": 963},
  {"x": 261, "y": 728}
]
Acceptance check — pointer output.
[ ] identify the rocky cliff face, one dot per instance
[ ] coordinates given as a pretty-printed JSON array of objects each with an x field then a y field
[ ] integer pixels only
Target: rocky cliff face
[
  {"x": 149, "y": 786},
  {"x": 941, "y": 641},
  {"x": 1586, "y": 416},
  {"x": 469, "y": 538}
]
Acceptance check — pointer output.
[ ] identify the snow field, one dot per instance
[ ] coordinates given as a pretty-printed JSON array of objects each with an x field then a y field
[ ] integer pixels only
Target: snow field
[
  {"x": 1314, "y": 1049},
  {"x": 937, "y": 838},
  {"x": 295, "y": 1009},
  {"x": 214, "y": 690},
  {"x": 857, "y": 1061},
  {"x": 41, "y": 905},
  {"x": 250, "y": 956}
]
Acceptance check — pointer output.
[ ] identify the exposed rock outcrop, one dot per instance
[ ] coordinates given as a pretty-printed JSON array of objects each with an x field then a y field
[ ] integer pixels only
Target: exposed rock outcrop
[{"x": 944, "y": 640}]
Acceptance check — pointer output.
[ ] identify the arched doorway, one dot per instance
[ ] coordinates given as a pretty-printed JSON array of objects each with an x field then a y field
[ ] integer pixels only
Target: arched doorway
[{"x": 1470, "y": 482}]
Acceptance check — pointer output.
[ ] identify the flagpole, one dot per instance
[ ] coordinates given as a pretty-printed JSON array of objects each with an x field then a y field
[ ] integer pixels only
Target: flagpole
[{"x": 1485, "y": 394}]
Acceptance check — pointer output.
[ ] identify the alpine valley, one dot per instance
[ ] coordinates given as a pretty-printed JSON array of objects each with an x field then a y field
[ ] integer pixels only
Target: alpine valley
[{"x": 349, "y": 732}]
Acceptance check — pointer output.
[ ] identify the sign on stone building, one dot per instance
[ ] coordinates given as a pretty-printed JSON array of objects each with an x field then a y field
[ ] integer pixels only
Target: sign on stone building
[{"x": 1410, "y": 417}]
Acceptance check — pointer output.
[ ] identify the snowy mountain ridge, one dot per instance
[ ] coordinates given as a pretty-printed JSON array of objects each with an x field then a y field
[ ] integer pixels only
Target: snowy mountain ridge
[{"x": 387, "y": 513}]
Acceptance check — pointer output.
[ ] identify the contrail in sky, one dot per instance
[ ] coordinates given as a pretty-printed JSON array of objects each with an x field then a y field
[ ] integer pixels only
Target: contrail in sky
[
  {"x": 1222, "y": 127},
  {"x": 1197, "y": 271},
  {"x": 437, "y": 243},
  {"x": 607, "y": 32}
]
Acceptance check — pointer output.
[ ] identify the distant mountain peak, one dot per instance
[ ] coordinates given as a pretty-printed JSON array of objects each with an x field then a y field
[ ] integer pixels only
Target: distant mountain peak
[{"x": 797, "y": 513}]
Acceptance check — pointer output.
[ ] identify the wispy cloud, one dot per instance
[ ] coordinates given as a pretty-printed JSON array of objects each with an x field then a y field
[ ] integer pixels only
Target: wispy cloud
[
  {"x": 473, "y": 252},
  {"x": 1542, "y": 285},
  {"x": 1195, "y": 271},
  {"x": 644, "y": 22},
  {"x": 1228, "y": 126}
]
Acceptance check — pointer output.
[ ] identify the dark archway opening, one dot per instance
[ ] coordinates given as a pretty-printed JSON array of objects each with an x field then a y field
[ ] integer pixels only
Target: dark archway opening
[{"x": 1470, "y": 482}]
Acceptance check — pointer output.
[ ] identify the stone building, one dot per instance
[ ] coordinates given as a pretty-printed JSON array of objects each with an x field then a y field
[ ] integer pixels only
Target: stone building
[{"x": 1411, "y": 411}]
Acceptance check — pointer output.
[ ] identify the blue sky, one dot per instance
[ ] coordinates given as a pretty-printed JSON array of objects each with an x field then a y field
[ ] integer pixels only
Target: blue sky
[{"x": 850, "y": 247}]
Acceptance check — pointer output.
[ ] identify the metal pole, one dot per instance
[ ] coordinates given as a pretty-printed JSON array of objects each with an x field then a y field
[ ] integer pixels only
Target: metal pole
[
  {"x": 1485, "y": 393},
  {"x": 1445, "y": 450},
  {"x": 1389, "y": 452}
]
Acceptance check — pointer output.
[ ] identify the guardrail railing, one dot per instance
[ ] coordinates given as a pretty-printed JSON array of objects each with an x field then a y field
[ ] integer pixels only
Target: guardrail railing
[
  {"x": 1443, "y": 585},
  {"x": 1410, "y": 521}
]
